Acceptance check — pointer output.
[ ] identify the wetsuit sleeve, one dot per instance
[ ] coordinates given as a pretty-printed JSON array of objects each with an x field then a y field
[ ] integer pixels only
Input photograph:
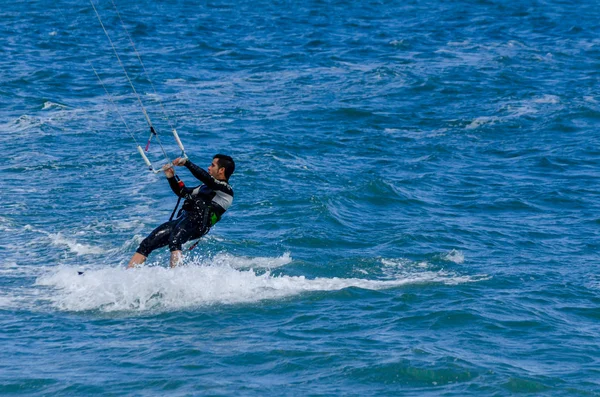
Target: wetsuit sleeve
[
  {"x": 205, "y": 177},
  {"x": 179, "y": 188}
]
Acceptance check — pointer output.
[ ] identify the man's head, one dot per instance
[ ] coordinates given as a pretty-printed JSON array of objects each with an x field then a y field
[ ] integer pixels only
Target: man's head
[{"x": 222, "y": 167}]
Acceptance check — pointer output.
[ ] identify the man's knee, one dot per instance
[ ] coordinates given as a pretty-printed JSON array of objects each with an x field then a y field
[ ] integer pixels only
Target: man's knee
[
  {"x": 146, "y": 247},
  {"x": 175, "y": 242},
  {"x": 186, "y": 230}
]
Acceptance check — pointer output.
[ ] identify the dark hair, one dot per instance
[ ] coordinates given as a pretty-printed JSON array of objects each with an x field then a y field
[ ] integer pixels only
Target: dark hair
[{"x": 226, "y": 162}]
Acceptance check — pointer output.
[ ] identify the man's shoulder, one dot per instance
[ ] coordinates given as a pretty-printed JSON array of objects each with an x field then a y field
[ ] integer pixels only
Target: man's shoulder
[{"x": 226, "y": 186}]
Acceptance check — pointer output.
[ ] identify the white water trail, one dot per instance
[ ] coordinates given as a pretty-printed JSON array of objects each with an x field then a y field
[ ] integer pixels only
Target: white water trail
[{"x": 226, "y": 280}]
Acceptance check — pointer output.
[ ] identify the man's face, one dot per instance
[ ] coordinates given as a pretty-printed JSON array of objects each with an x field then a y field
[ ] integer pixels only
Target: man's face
[{"x": 213, "y": 169}]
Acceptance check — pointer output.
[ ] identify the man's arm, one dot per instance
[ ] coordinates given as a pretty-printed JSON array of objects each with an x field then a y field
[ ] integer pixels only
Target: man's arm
[
  {"x": 202, "y": 175},
  {"x": 176, "y": 184},
  {"x": 178, "y": 187}
]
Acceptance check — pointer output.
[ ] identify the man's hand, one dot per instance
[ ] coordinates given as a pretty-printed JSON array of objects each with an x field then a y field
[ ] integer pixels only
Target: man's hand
[
  {"x": 179, "y": 161},
  {"x": 169, "y": 172}
]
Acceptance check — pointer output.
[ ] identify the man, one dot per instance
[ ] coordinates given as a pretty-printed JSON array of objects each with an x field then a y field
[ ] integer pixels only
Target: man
[{"x": 203, "y": 207}]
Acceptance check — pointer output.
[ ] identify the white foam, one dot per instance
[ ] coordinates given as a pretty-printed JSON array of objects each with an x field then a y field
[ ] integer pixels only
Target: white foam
[
  {"x": 593, "y": 284},
  {"x": 175, "y": 81},
  {"x": 550, "y": 99},
  {"x": 5, "y": 225},
  {"x": 404, "y": 264},
  {"x": 455, "y": 256},
  {"x": 240, "y": 262},
  {"x": 9, "y": 268},
  {"x": 159, "y": 288},
  {"x": 74, "y": 246},
  {"x": 479, "y": 121},
  {"x": 514, "y": 43},
  {"x": 9, "y": 265},
  {"x": 516, "y": 110},
  {"x": 396, "y": 262},
  {"x": 21, "y": 124},
  {"x": 6, "y": 302},
  {"x": 129, "y": 224},
  {"x": 52, "y": 105},
  {"x": 459, "y": 43}
]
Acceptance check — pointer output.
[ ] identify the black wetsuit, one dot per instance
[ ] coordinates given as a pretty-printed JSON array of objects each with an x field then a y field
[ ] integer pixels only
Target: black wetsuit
[{"x": 203, "y": 207}]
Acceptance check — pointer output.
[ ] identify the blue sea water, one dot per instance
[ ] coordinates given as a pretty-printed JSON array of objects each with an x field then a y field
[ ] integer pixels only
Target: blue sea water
[{"x": 416, "y": 209}]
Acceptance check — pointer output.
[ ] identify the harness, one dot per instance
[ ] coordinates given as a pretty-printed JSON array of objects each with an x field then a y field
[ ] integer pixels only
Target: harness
[
  {"x": 208, "y": 215},
  {"x": 209, "y": 218}
]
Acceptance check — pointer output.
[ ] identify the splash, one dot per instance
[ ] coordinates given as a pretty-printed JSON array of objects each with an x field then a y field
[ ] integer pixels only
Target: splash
[
  {"x": 455, "y": 256},
  {"x": 224, "y": 281},
  {"x": 78, "y": 248},
  {"x": 224, "y": 259}
]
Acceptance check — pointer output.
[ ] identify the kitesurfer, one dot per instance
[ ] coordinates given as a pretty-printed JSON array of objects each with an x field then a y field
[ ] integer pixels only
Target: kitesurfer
[{"x": 203, "y": 207}]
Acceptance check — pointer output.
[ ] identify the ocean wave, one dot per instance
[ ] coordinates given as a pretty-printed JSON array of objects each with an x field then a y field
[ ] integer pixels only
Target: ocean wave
[
  {"x": 53, "y": 105},
  {"x": 480, "y": 121},
  {"x": 75, "y": 247},
  {"x": 455, "y": 256}
]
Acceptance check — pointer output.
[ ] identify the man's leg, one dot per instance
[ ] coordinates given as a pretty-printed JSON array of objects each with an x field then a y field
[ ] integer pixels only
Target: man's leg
[
  {"x": 188, "y": 228},
  {"x": 158, "y": 238},
  {"x": 136, "y": 259},
  {"x": 176, "y": 258}
]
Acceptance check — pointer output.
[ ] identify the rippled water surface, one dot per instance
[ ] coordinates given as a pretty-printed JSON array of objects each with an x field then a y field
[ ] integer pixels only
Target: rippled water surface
[{"x": 416, "y": 198}]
